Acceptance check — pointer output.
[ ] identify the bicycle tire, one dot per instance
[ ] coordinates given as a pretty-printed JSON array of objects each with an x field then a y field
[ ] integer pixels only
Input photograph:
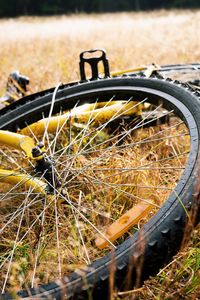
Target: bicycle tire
[
  {"x": 177, "y": 72},
  {"x": 182, "y": 72},
  {"x": 184, "y": 67},
  {"x": 187, "y": 73},
  {"x": 161, "y": 237}
]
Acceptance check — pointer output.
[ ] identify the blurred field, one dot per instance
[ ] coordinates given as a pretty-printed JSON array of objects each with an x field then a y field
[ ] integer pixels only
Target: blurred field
[{"x": 47, "y": 49}]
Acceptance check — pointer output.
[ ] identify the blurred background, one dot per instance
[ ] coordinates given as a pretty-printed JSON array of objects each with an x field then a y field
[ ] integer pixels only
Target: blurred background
[
  {"x": 43, "y": 39},
  {"x": 50, "y": 7}
]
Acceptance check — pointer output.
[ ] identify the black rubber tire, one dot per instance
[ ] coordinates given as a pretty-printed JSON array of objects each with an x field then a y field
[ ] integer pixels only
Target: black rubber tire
[
  {"x": 161, "y": 237},
  {"x": 181, "y": 67},
  {"x": 182, "y": 72},
  {"x": 165, "y": 69}
]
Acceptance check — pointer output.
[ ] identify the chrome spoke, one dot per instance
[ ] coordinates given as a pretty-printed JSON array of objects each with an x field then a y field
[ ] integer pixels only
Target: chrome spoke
[
  {"x": 79, "y": 230},
  {"x": 38, "y": 248},
  {"x": 15, "y": 244},
  {"x": 45, "y": 135}
]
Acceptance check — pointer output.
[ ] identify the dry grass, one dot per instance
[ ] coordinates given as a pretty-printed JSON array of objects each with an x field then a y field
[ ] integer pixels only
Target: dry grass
[
  {"x": 47, "y": 49},
  {"x": 179, "y": 280}
]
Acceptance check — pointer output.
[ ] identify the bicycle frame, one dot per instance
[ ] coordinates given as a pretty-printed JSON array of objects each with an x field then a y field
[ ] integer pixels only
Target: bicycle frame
[
  {"x": 25, "y": 144},
  {"x": 147, "y": 70}
]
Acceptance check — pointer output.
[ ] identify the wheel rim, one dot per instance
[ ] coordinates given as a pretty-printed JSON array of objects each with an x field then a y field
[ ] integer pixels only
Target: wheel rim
[{"x": 158, "y": 136}]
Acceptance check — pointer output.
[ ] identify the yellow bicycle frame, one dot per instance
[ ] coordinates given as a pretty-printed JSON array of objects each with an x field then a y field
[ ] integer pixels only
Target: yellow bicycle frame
[
  {"x": 94, "y": 113},
  {"x": 26, "y": 144},
  {"x": 146, "y": 70}
]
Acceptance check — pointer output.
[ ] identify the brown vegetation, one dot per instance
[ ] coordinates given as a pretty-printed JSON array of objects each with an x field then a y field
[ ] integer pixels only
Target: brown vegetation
[{"x": 47, "y": 50}]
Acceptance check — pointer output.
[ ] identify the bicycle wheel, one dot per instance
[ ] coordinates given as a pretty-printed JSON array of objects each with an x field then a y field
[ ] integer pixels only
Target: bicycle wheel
[
  {"x": 188, "y": 73},
  {"x": 150, "y": 160},
  {"x": 183, "y": 72}
]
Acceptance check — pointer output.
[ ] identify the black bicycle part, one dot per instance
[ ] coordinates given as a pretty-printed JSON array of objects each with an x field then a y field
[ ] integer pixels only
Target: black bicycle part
[
  {"x": 165, "y": 68},
  {"x": 16, "y": 86},
  {"x": 20, "y": 79},
  {"x": 94, "y": 62},
  {"x": 45, "y": 167}
]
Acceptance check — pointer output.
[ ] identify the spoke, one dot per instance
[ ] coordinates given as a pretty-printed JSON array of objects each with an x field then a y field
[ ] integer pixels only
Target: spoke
[
  {"x": 28, "y": 230},
  {"x": 136, "y": 143},
  {"x": 59, "y": 130},
  {"x": 80, "y": 142},
  {"x": 85, "y": 208},
  {"x": 54, "y": 142},
  {"x": 64, "y": 149},
  {"x": 18, "y": 185},
  {"x": 14, "y": 215},
  {"x": 11, "y": 196},
  {"x": 32, "y": 133},
  {"x": 115, "y": 116},
  {"x": 67, "y": 200},
  {"x": 45, "y": 135},
  {"x": 87, "y": 221},
  {"x": 139, "y": 125},
  {"x": 139, "y": 168},
  {"x": 142, "y": 186},
  {"x": 15, "y": 245},
  {"x": 38, "y": 247},
  {"x": 104, "y": 154},
  {"x": 125, "y": 192},
  {"x": 146, "y": 140},
  {"x": 126, "y": 133},
  {"x": 57, "y": 230},
  {"x": 79, "y": 230},
  {"x": 86, "y": 167},
  {"x": 78, "y": 136},
  {"x": 83, "y": 135},
  {"x": 175, "y": 152},
  {"x": 102, "y": 126},
  {"x": 17, "y": 212},
  {"x": 57, "y": 238},
  {"x": 11, "y": 159}
]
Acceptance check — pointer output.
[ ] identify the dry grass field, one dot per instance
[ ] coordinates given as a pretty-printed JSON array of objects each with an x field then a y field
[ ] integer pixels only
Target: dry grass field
[{"x": 47, "y": 50}]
